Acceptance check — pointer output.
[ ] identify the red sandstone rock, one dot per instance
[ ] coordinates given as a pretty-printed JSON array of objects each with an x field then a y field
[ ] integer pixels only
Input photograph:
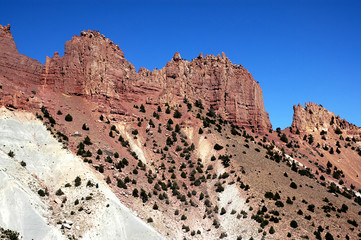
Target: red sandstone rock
[
  {"x": 315, "y": 118},
  {"x": 94, "y": 67},
  {"x": 19, "y": 74}
]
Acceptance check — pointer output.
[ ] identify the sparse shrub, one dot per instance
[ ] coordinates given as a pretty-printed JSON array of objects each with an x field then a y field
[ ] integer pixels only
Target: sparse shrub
[
  {"x": 68, "y": 118},
  {"x": 338, "y": 131},
  {"x": 198, "y": 104},
  {"x": 328, "y": 236},
  {"x": 87, "y": 141},
  {"x": 223, "y": 211},
  {"x": 311, "y": 208},
  {"x": 11, "y": 154},
  {"x": 84, "y": 127},
  {"x": 331, "y": 150},
  {"x": 293, "y": 224},
  {"x": 135, "y": 193},
  {"x": 41, "y": 193},
  {"x": 177, "y": 114},
  {"x": 344, "y": 208},
  {"x": 59, "y": 192},
  {"x": 155, "y": 206},
  {"x": 218, "y": 147},
  {"x": 283, "y": 138},
  {"x": 352, "y": 222},
  {"x": 108, "y": 181},
  {"x": 121, "y": 184},
  {"x": 142, "y": 109},
  {"x": 77, "y": 181},
  {"x": 293, "y": 185}
]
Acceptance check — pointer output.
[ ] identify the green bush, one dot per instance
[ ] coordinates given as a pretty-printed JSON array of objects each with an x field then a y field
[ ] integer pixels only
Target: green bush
[
  {"x": 177, "y": 114},
  {"x": 142, "y": 109},
  {"x": 84, "y": 127},
  {"x": 11, "y": 154},
  {"x": 223, "y": 211},
  {"x": 41, "y": 193},
  {"x": 328, "y": 236},
  {"x": 293, "y": 224},
  {"x": 77, "y": 181},
  {"x": 218, "y": 147},
  {"x": 284, "y": 138},
  {"x": 155, "y": 206},
  {"x": 135, "y": 132},
  {"x": 293, "y": 185},
  {"x": 68, "y": 118},
  {"x": 135, "y": 193},
  {"x": 87, "y": 141},
  {"x": 338, "y": 131},
  {"x": 59, "y": 192}
]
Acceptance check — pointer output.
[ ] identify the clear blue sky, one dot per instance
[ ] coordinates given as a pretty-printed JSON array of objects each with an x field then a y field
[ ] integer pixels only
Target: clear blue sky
[{"x": 299, "y": 51}]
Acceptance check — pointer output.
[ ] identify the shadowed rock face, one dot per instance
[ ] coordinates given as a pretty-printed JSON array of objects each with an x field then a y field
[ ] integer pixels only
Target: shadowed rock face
[
  {"x": 94, "y": 67},
  {"x": 19, "y": 74},
  {"x": 314, "y": 117}
]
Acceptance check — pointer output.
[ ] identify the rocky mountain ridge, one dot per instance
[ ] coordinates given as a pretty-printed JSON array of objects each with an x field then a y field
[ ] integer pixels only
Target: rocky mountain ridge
[
  {"x": 160, "y": 142},
  {"x": 316, "y": 118},
  {"x": 94, "y": 67}
]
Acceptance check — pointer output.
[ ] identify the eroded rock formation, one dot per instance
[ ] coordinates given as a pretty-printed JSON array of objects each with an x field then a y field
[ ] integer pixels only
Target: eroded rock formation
[
  {"x": 315, "y": 118},
  {"x": 19, "y": 74},
  {"x": 95, "y": 67}
]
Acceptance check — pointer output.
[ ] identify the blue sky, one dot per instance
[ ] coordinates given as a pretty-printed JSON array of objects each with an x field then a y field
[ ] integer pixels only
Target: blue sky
[{"x": 299, "y": 51}]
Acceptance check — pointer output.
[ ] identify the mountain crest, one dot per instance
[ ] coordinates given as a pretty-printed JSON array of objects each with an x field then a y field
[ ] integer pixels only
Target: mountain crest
[
  {"x": 315, "y": 118},
  {"x": 94, "y": 67}
]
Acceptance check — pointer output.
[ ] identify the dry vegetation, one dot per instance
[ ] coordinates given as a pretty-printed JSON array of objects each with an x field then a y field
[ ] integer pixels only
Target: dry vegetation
[{"x": 178, "y": 165}]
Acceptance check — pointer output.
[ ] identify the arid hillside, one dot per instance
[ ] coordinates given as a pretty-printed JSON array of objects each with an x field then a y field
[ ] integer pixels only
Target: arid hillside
[{"x": 187, "y": 150}]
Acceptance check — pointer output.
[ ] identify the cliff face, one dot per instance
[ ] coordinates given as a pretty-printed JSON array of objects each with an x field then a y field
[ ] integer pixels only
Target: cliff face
[
  {"x": 92, "y": 65},
  {"x": 19, "y": 74},
  {"x": 95, "y": 67},
  {"x": 314, "y": 117}
]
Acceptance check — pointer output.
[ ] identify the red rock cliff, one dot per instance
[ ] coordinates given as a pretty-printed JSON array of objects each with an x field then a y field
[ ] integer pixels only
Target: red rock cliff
[
  {"x": 315, "y": 118},
  {"x": 227, "y": 87},
  {"x": 95, "y": 67},
  {"x": 19, "y": 74}
]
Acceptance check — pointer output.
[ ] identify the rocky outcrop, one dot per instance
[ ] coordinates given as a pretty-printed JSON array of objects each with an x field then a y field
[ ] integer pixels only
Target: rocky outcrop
[
  {"x": 95, "y": 67},
  {"x": 92, "y": 65},
  {"x": 19, "y": 74},
  {"x": 226, "y": 87},
  {"x": 315, "y": 118}
]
